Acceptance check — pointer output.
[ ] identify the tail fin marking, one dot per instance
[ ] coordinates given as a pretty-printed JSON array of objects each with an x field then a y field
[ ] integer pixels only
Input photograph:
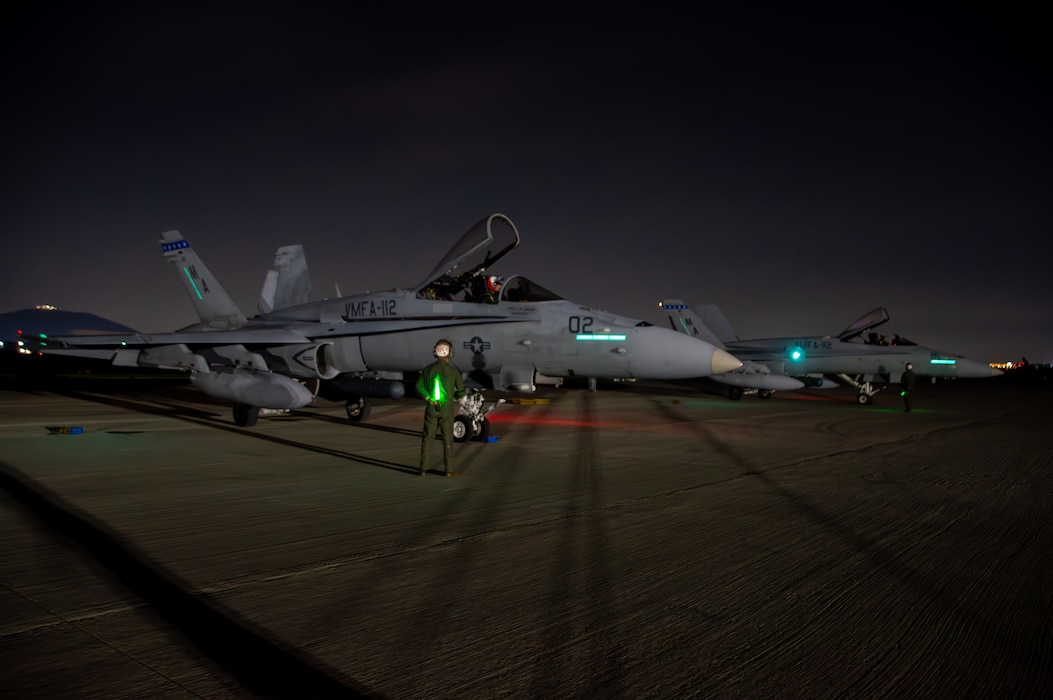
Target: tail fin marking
[
  {"x": 683, "y": 319},
  {"x": 211, "y": 302}
]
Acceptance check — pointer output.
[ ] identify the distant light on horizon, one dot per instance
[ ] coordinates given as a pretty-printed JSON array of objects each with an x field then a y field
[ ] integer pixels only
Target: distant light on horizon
[{"x": 1009, "y": 364}]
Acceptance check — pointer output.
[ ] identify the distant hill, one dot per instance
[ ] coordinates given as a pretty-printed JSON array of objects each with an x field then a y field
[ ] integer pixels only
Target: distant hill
[{"x": 56, "y": 322}]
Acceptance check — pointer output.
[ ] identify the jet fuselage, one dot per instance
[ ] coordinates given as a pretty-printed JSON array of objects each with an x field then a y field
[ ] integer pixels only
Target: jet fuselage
[
  {"x": 828, "y": 355},
  {"x": 395, "y": 331}
]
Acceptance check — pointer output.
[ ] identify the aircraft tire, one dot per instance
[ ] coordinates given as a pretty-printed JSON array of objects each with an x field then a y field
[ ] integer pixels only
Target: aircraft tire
[
  {"x": 864, "y": 400},
  {"x": 735, "y": 393},
  {"x": 358, "y": 408},
  {"x": 462, "y": 429},
  {"x": 484, "y": 429},
  {"x": 245, "y": 415},
  {"x": 764, "y": 393}
]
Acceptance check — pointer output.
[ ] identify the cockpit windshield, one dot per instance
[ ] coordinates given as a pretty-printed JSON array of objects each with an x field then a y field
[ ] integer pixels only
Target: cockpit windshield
[
  {"x": 462, "y": 268},
  {"x": 521, "y": 289},
  {"x": 873, "y": 338}
]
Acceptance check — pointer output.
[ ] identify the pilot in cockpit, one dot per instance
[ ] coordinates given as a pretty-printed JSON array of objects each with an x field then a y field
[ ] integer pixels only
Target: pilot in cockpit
[
  {"x": 485, "y": 289},
  {"x": 493, "y": 289}
]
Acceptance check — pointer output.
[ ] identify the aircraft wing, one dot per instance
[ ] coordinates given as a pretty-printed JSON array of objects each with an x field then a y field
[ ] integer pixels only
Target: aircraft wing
[
  {"x": 239, "y": 348},
  {"x": 194, "y": 339},
  {"x": 182, "y": 350}
]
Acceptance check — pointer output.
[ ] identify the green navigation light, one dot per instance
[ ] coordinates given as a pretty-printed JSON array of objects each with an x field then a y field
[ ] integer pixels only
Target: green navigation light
[{"x": 796, "y": 354}]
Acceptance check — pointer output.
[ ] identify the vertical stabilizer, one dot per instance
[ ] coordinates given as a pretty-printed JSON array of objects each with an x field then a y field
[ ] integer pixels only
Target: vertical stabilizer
[
  {"x": 713, "y": 318},
  {"x": 212, "y": 304},
  {"x": 708, "y": 325},
  {"x": 287, "y": 282}
]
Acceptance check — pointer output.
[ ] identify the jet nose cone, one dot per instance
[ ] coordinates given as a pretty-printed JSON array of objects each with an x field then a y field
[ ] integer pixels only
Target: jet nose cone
[
  {"x": 660, "y": 353},
  {"x": 723, "y": 361}
]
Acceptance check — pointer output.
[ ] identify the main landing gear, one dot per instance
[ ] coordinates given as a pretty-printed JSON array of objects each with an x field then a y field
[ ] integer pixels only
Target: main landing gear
[
  {"x": 736, "y": 392},
  {"x": 246, "y": 416},
  {"x": 358, "y": 408}
]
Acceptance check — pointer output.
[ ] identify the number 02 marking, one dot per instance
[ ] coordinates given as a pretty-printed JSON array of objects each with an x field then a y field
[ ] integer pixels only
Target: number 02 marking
[{"x": 579, "y": 324}]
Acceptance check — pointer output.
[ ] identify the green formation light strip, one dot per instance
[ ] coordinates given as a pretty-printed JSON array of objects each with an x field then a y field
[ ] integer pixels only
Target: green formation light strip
[
  {"x": 943, "y": 362},
  {"x": 582, "y": 336},
  {"x": 187, "y": 271}
]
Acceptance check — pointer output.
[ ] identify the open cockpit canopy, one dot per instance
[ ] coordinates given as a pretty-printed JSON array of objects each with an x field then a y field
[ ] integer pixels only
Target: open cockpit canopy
[
  {"x": 870, "y": 320},
  {"x": 460, "y": 270}
]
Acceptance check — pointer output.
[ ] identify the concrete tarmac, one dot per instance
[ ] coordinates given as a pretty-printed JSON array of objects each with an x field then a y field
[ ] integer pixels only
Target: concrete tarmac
[{"x": 637, "y": 541}]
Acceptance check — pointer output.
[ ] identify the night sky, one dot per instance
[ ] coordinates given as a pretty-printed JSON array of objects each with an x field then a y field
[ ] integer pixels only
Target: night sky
[{"x": 797, "y": 167}]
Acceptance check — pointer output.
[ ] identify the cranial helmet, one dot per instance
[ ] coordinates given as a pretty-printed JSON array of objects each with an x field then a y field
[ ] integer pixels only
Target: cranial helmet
[
  {"x": 443, "y": 348},
  {"x": 493, "y": 283},
  {"x": 910, "y": 365}
]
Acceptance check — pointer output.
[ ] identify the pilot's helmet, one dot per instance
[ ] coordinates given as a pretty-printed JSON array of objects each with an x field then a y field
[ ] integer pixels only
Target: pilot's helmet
[
  {"x": 910, "y": 365},
  {"x": 494, "y": 283},
  {"x": 443, "y": 348}
]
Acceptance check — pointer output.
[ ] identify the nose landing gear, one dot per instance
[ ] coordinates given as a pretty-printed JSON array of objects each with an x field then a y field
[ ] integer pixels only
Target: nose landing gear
[{"x": 471, "y": 421}]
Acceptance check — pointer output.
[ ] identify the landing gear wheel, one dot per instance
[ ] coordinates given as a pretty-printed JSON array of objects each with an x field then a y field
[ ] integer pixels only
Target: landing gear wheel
[
  {"x": 484, "y": 429},
  {"x": 245, "y": 415},
  {"x": 735, "y": 393},
  {"x": 764, "y": 393},
  {"x": 462, "y": 429},
  {"x": 864, "y": 399},
  {"x": 358, "y": 408}
]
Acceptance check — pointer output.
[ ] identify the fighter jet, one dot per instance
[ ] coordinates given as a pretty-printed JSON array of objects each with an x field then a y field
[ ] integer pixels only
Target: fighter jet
[
  {"x": 867, "y": 362},
  {"x": 363, "y": 344}
]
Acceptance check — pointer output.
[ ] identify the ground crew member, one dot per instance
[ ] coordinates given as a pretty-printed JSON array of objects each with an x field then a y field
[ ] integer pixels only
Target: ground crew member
[
  {"x": 442, "y": 386},
  {"x": 906, "y": 385}
]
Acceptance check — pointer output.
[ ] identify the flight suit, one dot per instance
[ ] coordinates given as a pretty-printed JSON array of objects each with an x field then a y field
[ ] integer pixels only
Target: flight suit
[
  {"x": 906, "y": 384},
  {"x": 441, "y": 385}
]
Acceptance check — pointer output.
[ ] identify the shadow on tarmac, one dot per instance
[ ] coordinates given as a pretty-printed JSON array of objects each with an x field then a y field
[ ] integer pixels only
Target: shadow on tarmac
[
  {"x": 264, "y": 666},
  {"x": 161, "y": 407}
]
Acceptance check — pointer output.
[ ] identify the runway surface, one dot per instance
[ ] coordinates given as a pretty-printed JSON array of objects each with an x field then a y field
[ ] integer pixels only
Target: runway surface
[{"x": 637, "y": 541}]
